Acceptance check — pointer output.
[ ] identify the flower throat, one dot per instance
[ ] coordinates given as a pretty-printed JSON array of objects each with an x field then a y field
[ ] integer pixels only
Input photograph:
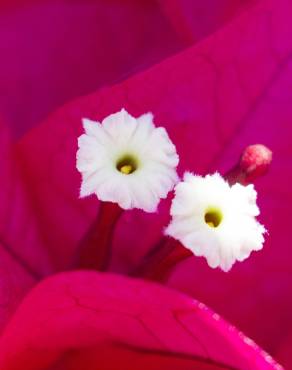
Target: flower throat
[
  {"x": 213, "y": 217},
  {"x": 127, "y": 165}
]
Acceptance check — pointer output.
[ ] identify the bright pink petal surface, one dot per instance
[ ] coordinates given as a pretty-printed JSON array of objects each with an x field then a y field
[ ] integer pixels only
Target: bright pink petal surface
[
  {"x": 53, "y": 51},
  {"x": 105, "y": 321},
  {"x": 228, "y": 91},
  {"x": 23, "y": 258},
  {"x": 194, "y": 20}
]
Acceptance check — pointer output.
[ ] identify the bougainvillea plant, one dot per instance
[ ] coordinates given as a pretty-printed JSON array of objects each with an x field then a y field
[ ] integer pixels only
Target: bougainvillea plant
[{"x": 101, "y": 259}]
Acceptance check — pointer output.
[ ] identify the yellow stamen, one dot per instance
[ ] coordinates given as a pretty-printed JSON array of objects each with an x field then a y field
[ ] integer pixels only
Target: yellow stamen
[
  {"x": 126, "y": 169},
  {"x": 211, "y": 224},
  {"x": 213, "y": 217},
  {"x": 127, "y": 164}
]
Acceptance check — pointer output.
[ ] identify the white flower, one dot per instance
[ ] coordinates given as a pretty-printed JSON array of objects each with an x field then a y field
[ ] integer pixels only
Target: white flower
[
  {"x": 127, "y": 160},
  {"x": 216, "y": 220}
]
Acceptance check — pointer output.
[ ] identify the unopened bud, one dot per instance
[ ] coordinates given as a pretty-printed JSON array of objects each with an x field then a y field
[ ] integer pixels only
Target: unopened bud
[{"x": 254, "y": 162}]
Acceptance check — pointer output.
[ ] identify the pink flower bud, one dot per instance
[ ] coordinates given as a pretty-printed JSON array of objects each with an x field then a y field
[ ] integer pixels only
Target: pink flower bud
[{"x": 255, "y": 161}]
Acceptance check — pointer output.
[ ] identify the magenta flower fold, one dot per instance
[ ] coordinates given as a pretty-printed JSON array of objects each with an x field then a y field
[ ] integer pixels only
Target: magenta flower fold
[
  {"x": 217, "y": 84},
  {"x": 90, "y": 321}
]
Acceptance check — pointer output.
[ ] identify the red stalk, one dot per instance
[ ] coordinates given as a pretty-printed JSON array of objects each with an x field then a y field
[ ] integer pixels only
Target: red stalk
[
  {"x": 95, "y": 247},
  {"x": 158, "y": 264}
]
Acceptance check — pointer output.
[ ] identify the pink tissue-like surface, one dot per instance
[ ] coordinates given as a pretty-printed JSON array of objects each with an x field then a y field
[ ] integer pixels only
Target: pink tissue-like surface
[
  {"x": 228, "y": 90},
  {"x": 52, "y": 51},
  {"x": 86, "y": 320},
  {"x": 194, "y": 20}
]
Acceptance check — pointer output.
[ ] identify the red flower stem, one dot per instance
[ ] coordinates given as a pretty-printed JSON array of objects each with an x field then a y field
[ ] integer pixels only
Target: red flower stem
[
  {"x": 95, "y": 247},
  {"x": 158, "y": 264},
  {"x": 236, "y": 175}
]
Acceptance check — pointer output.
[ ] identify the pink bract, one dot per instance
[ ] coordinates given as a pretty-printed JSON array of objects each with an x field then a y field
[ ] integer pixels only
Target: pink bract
[
  {"x": 86, "y": 320},
  {"x": 228, "y": 90}
]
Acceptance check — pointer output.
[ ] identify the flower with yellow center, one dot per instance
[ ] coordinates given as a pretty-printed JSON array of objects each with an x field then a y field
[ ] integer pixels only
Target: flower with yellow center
[
  {"x": 127, "y": 160},
  {"x": 216, "y": 220}
]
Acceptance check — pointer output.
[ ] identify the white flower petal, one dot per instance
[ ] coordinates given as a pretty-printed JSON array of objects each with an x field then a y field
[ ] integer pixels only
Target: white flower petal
[
  {"x": 150, "y": 158},
  {"x": 232, "y": 232}
]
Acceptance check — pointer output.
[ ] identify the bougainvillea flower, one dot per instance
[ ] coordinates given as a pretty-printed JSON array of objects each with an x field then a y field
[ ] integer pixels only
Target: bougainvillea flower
[
  {"x": 216, "y": 220},
  {"x": 127, "y": 160},
  {"x": 227, "y": 91}
]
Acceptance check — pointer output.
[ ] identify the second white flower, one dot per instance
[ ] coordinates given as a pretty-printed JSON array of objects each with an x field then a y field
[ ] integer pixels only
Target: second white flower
[{"x": 216, "y": 220}]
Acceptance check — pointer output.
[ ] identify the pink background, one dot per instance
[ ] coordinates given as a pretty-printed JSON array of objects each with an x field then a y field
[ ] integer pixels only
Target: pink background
[{"x": 216, "y": 73}]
